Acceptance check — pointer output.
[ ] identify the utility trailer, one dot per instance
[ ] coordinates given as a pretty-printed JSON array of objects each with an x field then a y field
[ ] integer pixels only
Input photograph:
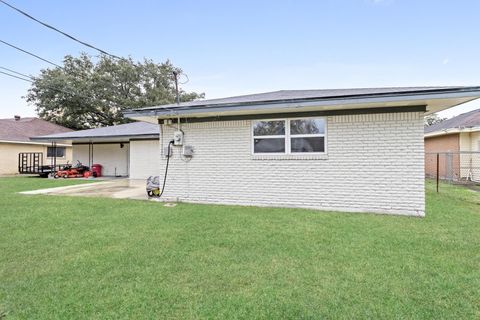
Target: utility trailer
[{"x": 32, "y": 163}]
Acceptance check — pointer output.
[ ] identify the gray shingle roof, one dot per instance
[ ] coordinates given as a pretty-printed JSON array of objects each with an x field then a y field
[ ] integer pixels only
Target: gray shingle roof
[
  {"x": 300, "y": 95},
  {"x": 133, "y": 129},
  {"x": 465, "y": 120},
  {"x": 24, "y": 128}
]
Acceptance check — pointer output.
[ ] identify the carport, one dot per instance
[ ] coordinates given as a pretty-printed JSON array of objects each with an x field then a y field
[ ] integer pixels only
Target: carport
[{"x": 113, "y": 147}]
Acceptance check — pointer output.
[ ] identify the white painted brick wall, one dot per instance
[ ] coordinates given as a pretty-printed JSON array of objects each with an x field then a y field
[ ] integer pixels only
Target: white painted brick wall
[
  {"x": 374, "y": 164},
  {"x": 144, "y": 159},
  {"x": 113, "y": 158}
]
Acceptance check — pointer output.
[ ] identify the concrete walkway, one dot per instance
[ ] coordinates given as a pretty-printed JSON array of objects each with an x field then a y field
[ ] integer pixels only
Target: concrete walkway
[{"x": 118, "y": 188}]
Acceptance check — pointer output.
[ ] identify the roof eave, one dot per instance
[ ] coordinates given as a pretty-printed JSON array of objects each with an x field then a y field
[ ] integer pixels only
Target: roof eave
[
  {"x": 451, "y": 131},
  {"x": 113, "y": 138},
  {"x": 31, "y": 142},
  {"x": 164, "y": 112}
]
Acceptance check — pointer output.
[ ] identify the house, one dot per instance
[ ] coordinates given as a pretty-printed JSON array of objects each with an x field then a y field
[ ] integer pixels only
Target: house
[
  {"x": 357, "y": 150},
  {"x": 116, "y": 148},
  {"x": 15, "y": 136},
  {"x": 457, "y": 140}
]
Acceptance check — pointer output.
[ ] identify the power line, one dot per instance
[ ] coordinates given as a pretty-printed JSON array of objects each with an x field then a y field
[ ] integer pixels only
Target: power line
[
  {"x": 49, "y": 87},
  {"x": 60, "y": 31},
  {"x": 30, "y": 53},
  {"x": 14, "y": 76},
  {"x": 19, "y": 73},
  {"x": 56, "y": 89}
]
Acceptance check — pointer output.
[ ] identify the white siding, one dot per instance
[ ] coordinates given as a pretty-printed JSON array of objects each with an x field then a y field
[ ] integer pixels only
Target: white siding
[
  {"x": 465, "y": 142},
  {"x": 112, "y": 157},
  {"x": 144, "y": 159},
  {"x": 375, "y": 163},
  {"x": 475, "y": 141}
]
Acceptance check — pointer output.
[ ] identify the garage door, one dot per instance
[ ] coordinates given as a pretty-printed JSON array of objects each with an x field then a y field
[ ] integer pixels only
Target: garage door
[
  {"x": 144, "y": 159},
  {"x": 112, "y": 156}
]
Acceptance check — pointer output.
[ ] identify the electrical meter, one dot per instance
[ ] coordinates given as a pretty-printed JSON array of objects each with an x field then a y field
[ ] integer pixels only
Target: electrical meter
[{"x": 178, "y": 138}]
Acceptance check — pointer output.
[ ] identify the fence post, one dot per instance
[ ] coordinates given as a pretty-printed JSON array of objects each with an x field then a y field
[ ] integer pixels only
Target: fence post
[{"x": 438, "y": 171}]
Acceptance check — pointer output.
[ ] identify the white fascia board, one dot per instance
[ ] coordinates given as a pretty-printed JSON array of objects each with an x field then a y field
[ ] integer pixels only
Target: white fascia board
[
  {"x": 35, "y": 143},
  {"x": 451, "y": 131}
]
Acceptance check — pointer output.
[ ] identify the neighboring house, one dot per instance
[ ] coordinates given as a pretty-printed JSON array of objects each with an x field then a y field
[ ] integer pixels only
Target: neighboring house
[
  {"x": 458, "y": 141},
  {"x": 358, "y": 150},
  {"x": 15, "y": 138}
]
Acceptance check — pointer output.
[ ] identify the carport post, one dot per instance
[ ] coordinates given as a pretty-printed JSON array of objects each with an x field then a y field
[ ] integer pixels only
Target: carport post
[
  {"x": 55, "y": 156},
  {"x": 51, "y": 159},
  {"x": 438, "y": 162},
  {"x": 90, "y": 154}
]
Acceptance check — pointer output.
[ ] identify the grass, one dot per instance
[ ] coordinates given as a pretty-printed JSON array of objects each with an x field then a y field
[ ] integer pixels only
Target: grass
[{"x": 92, "y": 258}]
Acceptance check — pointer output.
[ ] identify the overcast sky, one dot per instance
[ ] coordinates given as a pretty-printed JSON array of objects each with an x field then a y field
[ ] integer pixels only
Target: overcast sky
[{"x": 240, "y": 47}]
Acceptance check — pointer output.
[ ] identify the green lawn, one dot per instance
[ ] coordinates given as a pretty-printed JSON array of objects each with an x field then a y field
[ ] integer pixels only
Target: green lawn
[{"x": 92, "y": 258}]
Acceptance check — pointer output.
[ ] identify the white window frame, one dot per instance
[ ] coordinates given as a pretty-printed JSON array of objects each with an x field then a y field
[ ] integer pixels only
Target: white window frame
[
  {"x": 287, "y": 136},
  {"x": 284, "y": 136}
]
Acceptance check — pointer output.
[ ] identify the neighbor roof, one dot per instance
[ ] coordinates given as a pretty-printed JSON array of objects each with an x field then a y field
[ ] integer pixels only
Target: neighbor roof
[
  {"x": 464, "y": 121},
  {"x": 134, "y": 129},
  {"x": 23, "y": 128},
  {"x": 291, "y": 97}
]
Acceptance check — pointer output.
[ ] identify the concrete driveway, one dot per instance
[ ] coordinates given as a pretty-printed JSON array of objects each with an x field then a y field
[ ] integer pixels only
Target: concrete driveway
[{"x": 118, "y": 188}]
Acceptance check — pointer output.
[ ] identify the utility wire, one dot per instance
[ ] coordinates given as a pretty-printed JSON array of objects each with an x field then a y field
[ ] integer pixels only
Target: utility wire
[
  {"x": 30, "y": 53},
  {"x": 73, "y": 93},
  {"x": 186, "y": 81},
  {"x": 68, "y": 36},
  {"x": 57, "y": 89},
  {"x": 16, "y": 72},
  {"x": 59, "y": 31},
  {"x": 14, "y": 76}
]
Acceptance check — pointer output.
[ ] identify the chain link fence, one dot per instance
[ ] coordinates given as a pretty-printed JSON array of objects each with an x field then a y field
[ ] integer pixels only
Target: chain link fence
[{"x": 455, "y": 167}]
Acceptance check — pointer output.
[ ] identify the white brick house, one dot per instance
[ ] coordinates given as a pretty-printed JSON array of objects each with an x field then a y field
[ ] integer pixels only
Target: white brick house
[
  {"x": 356, "y": 150},
  {"x": 374, "y": 163}
]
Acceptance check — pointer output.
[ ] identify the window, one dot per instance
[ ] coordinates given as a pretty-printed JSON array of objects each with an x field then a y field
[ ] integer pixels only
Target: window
[
  {"x": 289, "y": 136},
  {"x": 269, "y": 136},
  {"x": 51, "y": 152}
]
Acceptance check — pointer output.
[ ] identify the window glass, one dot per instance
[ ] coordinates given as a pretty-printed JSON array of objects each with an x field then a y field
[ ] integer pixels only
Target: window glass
[
  {"x": 307, "y": 126},
  {"x": 51, "y": 152},
  {"x": 308, "y": 144},
  {"x": 289, "y": 136},
  {"x": 269, "y": 145},
  {"x": 269, "y": 128}
]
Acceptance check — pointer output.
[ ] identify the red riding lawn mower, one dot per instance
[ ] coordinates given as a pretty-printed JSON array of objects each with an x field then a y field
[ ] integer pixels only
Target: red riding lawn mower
[{"x": 68, "y": 171}]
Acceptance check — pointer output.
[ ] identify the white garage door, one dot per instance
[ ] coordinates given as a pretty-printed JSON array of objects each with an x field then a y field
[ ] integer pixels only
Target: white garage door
[
  {"x": 144, "y": 159},
  {"x": 113, "y": 157}
]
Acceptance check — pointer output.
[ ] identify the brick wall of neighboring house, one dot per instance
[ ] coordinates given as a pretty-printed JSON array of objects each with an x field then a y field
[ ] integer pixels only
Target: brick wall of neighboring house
[
  {"x": 375, "y": 163},
  {"x": 449, "y": 165}
]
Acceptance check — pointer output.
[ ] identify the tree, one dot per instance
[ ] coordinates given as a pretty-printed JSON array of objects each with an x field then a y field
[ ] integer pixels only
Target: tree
[
  {"x": 86, "y": 94},
  {"x": 432, "y": 119}
]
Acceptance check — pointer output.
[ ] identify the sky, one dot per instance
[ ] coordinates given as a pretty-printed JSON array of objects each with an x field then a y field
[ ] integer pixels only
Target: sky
[{"x": 230, "y": 48}]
